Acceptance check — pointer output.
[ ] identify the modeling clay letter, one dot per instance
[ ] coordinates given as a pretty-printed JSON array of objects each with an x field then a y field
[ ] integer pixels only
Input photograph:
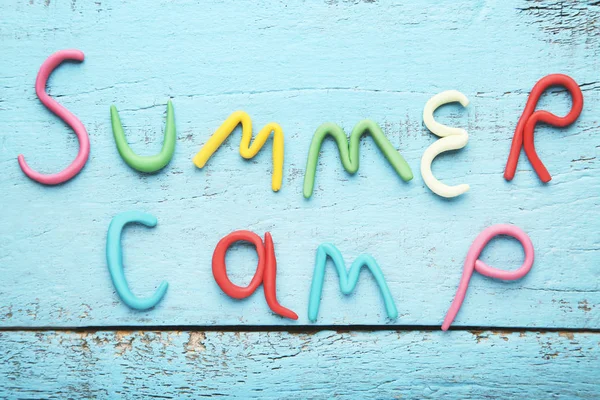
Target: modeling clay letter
[
  {"x": 349, "y": 151},
  {"x": 524, "y": 131},
  {"x": 451, "y": 139},
  {"x": 147, "y": 164},
  {"x": 348, "y": 280},
  {"x": 247, "y": 150},
  {"x": 84, "y": 142},
  {"x": 266, "y": 270},
  {"x": 472, "y": 263},
  {"x": 114, "y": 258}
]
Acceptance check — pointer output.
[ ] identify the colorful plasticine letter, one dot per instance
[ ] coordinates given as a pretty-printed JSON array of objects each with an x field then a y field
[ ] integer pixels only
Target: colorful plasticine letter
[
  {"x": 451, "y": 139},
  {"x": 114, "y": 259},
  {"x": 266, "y": 270},
  {"x": 84, "y": 141},
  {"x": 247, "y": 150},
  {"x": 147, "y": 164},
  {"x": 349, "y": 151},
  {"x": 473, "y": 263},
  {"x": 523, "y": 136},
  {"x": 348, "y": 280}
]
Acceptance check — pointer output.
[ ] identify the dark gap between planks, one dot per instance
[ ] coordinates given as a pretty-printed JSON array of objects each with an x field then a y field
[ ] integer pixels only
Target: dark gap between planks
[{"x": 290, "y": 329}]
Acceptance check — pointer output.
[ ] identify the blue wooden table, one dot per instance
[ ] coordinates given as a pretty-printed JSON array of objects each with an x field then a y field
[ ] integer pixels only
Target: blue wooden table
[{"x": 64, "y": 331}]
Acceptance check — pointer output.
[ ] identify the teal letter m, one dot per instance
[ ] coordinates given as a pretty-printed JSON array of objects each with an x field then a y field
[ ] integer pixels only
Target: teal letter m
[{"x": 348, "y": 280}]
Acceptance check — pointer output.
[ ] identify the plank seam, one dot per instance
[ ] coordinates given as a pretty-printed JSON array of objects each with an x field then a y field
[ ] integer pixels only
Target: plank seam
[{"x": 291, "y": 329}]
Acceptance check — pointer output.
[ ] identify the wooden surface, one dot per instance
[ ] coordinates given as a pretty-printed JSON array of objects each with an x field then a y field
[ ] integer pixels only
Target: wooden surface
[
  {"x": 327, "y": 364},
  {"x": 299, "y": 64}
]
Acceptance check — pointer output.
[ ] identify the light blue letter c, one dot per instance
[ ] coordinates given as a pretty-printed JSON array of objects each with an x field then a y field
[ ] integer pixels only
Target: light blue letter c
[{"x": 114, "y": 258}]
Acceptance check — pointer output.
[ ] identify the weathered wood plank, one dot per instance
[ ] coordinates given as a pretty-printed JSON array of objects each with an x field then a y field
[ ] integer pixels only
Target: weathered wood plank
[
  {"x": 270, "y": 365},
  {"x": 299, "y": 64}
]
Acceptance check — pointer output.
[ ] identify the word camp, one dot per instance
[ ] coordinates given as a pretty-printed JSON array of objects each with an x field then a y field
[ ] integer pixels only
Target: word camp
[{"x": 266, "y": 269}]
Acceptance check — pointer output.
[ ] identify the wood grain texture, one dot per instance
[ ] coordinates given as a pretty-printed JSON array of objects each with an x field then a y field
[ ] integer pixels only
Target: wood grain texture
[
  {"x": 253, "y": 365},
  {"x": 299, "y": 64}
]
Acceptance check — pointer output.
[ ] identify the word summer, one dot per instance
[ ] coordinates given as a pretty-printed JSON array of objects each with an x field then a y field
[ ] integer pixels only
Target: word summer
[
  {"x": 450, "y": 138},
  {"x": 266, "y": 270}
]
